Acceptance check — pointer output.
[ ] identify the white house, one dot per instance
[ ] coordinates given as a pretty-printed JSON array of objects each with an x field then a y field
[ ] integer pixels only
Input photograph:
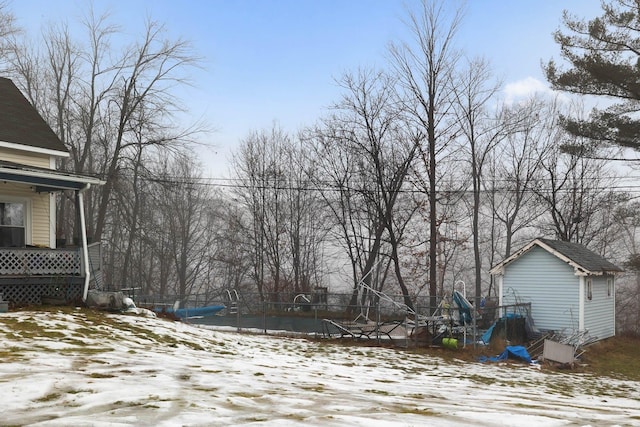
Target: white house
[
  {"x": 570, "y": 287},
  {"x": 31, "y": 267}
]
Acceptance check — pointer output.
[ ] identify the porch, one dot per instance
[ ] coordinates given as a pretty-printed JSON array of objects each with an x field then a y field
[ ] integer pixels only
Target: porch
[{"x": 43, "y": 275}]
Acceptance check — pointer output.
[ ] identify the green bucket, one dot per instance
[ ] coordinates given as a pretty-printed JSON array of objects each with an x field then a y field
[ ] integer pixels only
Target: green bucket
[{"x": 451, "y": 343}]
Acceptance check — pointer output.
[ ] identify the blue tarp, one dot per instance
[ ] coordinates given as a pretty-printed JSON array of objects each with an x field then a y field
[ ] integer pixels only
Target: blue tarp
[
  {"x": 486, "y": 337},
  {"x": 511, "y": 351}
]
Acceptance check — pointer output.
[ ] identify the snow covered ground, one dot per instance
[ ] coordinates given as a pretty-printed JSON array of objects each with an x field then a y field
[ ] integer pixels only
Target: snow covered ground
[{"x": 110, "y": 370}]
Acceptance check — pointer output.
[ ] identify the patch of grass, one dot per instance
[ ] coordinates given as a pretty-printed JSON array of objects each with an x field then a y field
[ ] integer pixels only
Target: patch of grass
[
  {"x": 480, "y": 379},
  {"x": 318, "y": 388},
  {"x": 78, "y": 391},
  {"x": 89, "y": 351},
  {"x": 100, "y": 375},
  {"x": 617, "y": 357},
  {"x": 203, "y": 389},
  {"x": 381, "y": 392},
  {"x": 12, "y": 336},
  {"x": 247, "y": 395},
  {"x": 417, "y": 411},
  {"x": 295, "y": 417},
  {"x": 561, "y": 388},
  {"x": 11, "y": 354},
  {"x": 48, "y": 397},
  {"x": 123, "y": 404},
  {"x": 257, "y": 419}
]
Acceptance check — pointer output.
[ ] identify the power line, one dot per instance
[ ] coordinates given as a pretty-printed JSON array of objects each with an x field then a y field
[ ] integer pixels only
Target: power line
[{"x": 323, "y": 186}]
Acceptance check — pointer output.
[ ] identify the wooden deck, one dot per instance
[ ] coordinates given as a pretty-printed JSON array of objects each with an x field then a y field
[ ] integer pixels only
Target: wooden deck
[{"x": 41, "y": 275}]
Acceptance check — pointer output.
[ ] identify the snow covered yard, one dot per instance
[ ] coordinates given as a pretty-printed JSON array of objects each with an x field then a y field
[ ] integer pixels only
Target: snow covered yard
[{"x": 82, "y": 368}]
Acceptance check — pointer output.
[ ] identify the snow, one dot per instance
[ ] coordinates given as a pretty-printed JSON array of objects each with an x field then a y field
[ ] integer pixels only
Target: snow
[{"x": 121, "y": 370}]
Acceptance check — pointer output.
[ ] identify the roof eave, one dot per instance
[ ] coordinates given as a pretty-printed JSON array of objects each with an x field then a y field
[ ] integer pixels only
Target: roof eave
[
  {"x": 46, "y": 181},
  {"x": 31, "y": 149},
  {"x": 579, "y": 269},
  {"x": 499, "y": 268}
]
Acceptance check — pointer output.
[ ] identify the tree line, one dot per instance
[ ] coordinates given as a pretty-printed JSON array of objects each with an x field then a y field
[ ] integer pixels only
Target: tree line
[{"x": 421, "y": 174}]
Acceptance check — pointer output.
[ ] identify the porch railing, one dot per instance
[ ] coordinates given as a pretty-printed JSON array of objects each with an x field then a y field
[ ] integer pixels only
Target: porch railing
[{"x": 46, "y": 262}]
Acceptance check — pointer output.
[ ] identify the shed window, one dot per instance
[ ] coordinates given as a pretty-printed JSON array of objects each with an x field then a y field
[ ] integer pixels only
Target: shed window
[
  {"x": 609, "y": 287},
  {"x": 12, "y": 224},
  {"x": 589, "y": 290}
]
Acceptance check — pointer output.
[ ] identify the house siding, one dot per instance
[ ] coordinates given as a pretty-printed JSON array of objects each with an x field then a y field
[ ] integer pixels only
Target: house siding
[
  {"x": 599, "y": 311},
  {"x": 40, "y": 207},
  {"x": 25, "y": 158},
  {"x": 549, "y": 284}
]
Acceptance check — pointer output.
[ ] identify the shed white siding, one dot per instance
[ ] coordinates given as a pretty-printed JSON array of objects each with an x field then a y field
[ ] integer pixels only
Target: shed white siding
[
  {"x": 549, "y": 284},
  {"x": 599, "y": 310}
]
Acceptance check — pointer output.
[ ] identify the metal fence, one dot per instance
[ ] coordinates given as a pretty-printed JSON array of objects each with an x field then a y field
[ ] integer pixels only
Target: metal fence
[{"x": 377, "y": 317}]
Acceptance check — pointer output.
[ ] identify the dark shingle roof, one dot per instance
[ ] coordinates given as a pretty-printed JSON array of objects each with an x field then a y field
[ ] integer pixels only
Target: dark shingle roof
[
  {"x": 20, "y": 122},
  {"x": 582, "y": 256}
]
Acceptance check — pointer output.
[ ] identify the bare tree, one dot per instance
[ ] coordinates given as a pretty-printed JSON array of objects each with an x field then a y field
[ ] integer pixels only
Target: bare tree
[
  {"x": 366, "y": 153},
  {"x": 573, "y": 189},
  {"x": 8, "y": 29},
  {"x": 147, "y": 73},
  {"x": 481, "y": 132},
  {"x": 259, "y": 170},
  {"x": 425, "y": 68},
  {"x": 230, "y": 261},
  {"x": 304, "y": 209},
  {"x": 100, "y": 101},
  {"x": 186, "y": 206},
  {"x": 628, "y": 291},
  {"x": 515, "y": 170},
  {"x": 286, "y": 230}
]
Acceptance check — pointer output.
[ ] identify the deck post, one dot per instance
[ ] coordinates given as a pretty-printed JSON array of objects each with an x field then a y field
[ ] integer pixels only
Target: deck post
[{"x": 83, "y": 237}]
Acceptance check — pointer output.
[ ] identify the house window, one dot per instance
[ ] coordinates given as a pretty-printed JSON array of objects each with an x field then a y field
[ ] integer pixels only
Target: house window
[
  {"x": 609, "y": 287},
  {"x": 589, "y": 290},
  {"x": 12, "y": 224}
]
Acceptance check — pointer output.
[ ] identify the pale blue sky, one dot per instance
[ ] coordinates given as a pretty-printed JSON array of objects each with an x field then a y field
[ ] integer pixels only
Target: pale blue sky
[{"x": 276, "y": 60}]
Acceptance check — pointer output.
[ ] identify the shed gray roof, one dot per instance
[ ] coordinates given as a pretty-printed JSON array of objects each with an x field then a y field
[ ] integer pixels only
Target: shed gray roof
[
  {"x": 20, "y": 122},
  {"x": 581, "y": 255},
  {"x": 578, "y": 256}
]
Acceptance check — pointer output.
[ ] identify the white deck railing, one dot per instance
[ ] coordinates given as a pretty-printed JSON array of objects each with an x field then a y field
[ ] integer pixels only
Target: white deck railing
[{"x": 45, "y": 262}]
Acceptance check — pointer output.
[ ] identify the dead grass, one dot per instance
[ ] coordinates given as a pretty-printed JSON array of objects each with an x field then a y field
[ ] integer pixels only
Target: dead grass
[{"x": 617, "y": 357}]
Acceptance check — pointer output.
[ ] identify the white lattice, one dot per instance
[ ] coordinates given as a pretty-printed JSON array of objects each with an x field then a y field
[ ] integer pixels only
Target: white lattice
[
  {"x": 27, "y": 292},
  {"x": 18, "y": 261}
]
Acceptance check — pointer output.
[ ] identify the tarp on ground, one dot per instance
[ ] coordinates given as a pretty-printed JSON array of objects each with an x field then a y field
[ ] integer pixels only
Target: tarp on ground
[{"x": 511, "y": 351}]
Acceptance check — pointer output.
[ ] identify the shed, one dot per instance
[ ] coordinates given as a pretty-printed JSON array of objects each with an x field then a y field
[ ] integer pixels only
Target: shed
[{"x": 571, "y": 288}]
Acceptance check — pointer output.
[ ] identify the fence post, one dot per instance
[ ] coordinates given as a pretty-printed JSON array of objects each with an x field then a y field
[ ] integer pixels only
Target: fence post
[
  {"x": 315, "y": 320},
  {"x": 264, "y": 316},
  {"x": 378, "y": 320},
  {"x": 238, "y": 316}
]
